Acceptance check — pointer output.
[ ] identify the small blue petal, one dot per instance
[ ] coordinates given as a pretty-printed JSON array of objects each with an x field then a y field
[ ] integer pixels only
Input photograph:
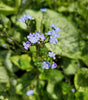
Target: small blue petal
[
  {"x": 54, "y": 65},
  {"x": 30, "y": 92},
  {"x": 43, "y": 9}
]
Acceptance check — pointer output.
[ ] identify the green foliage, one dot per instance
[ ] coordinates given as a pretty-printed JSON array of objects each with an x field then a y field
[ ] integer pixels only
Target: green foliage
[
  {"x": 21, "y": 70},
  {"x": 3, "y": 75},
  {"x": 81, "y": 95},
  {"x": 68, "y": 44},
  {"x": 6, "y": 10},
  {"x": 70, "y": 67},
  {"x": 4, "y": 79},
  {"x": 81, "y": 80},
  {"x": 23, "y": 62},
  {"x": 53, "y": 75},
  {"x": 66, "y": 90}
]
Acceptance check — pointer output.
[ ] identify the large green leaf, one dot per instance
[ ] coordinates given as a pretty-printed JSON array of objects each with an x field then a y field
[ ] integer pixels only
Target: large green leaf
[
  {"x": 68, "y": 44},
  {"x": 53, "y": 75},
  {"x": 6, "y": 10},
  {"x": 81, "y": 80},
  {"x": 68, "y": 41}
]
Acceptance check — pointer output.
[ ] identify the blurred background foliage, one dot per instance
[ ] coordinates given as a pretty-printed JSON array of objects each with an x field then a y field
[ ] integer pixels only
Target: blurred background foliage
[{"x": 19, "y": 70}]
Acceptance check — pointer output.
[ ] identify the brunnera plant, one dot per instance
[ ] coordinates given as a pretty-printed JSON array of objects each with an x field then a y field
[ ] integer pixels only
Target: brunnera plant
[
  {"x": 39, "y": 39},
  {"x": 36, "y": 41}
]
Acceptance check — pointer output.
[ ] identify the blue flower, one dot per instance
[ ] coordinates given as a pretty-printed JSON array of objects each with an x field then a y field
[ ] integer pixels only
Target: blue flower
[
  {"x": 51, "y": 54},
  {"x": 23, "y": 19},
  {"x": 34, "y": 37},
  {"x": 53, "y": 40},
  {"x": 26, "y": 45},
  {"x": 55, "y": 34},
  {"x": 4, "y": 45},
  {"x": 52, "y": 25},
  {"x": 30, "y": 35},
  {"x": 73, "y": 90},
  {"x": 37, "y": 34},
  {"x": 42, "y": 37},
  {"x": 29, "y": 17},
  {"x": 48, "y": 33},
  {"x": 33, "y": 40},
  {"x": 54, "y": 65},
  {"x": 57, "y": 29},
  {"x": 43, "y": 9},
  {"x": 30, "y": 92},
  {"x": 46, "y": 65}
]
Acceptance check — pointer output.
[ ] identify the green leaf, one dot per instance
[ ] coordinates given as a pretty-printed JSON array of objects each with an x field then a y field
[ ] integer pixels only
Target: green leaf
[
  {"x": 67, "y": 91},
  {"x": 18, "y": 23},
  {"x": 81, "y": 95},
  {"x": 53, "y": 75},
  {"x": 66, "y": 88},
  {"x": 70, "y": 67},
  {"x": 5, "y": 21},
  {"x": 54, "y": 91},
  {"x": 68, "y": 44},
  {"x": 50, "y": 90},
  {"x": 17, "y": 36},
  {"x": 62, "y": 9},
  {"x": 81, "y": 80},
  {"x": 5, "y": 56},
  {"x": 23, "y": 61},
  {"x": 84, "y": 52},
  {"x": 6, "y": 10},
  {"x": 3, "y": 75},
  {"x": 4, "y": 79},
  {"x": 19, "y": 89},
  {"x": 8, "y": 63},
  {"x": 17, "y": 3},
  {"x": 15, "y": 60}
]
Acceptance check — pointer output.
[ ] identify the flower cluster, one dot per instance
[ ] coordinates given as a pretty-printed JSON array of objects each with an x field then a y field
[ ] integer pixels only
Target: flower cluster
[
  {"x": 47, "y": 65},
  {"x": 53, "y": 34},
  {"x": 25, "y": 17},
  {"x": 38, "y": 37},
  {"x": 33, "y": 38}
]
